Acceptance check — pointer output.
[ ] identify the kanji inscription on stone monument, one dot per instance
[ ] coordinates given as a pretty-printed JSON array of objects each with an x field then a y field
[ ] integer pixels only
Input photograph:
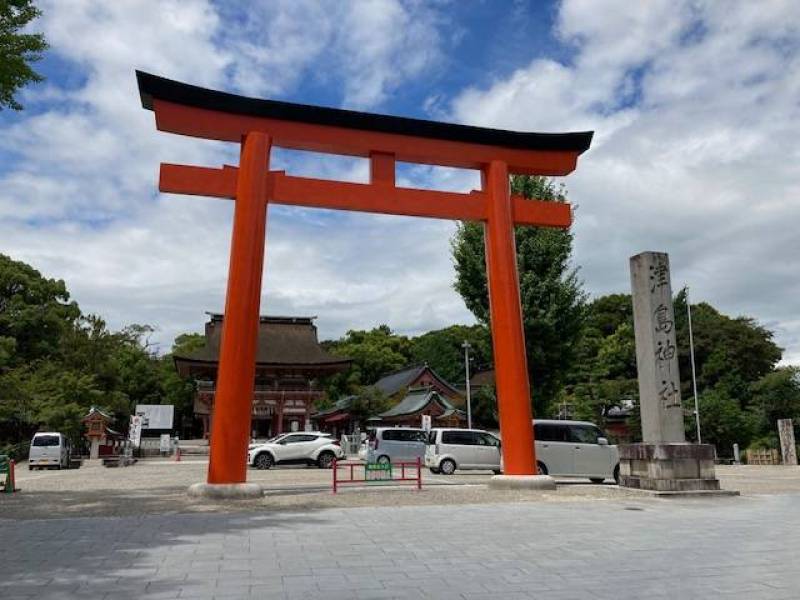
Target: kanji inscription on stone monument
[{"x": 656, "y": 349}]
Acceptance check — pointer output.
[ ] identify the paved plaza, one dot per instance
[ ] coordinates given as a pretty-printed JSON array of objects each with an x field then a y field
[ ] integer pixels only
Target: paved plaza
[{"x": 596, "y": 543}]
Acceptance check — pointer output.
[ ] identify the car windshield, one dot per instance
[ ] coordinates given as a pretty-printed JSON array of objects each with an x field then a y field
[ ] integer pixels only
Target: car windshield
[{"x": 45, "y": 440}]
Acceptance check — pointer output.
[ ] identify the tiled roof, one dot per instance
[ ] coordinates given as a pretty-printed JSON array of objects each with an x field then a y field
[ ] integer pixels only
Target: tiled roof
[{"x": 415, "y": 401}]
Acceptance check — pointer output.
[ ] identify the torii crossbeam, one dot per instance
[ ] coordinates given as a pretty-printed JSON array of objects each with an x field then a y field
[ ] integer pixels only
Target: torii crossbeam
[{"x": 260, "y": 124}]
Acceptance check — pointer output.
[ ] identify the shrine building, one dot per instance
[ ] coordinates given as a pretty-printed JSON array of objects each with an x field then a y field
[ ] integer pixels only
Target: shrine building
[
  {"x": 289, "y": 364},
  {"x": 412, "y": 392}
]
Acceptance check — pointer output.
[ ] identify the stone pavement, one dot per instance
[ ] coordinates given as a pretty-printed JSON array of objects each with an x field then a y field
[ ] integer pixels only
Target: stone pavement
[{"x": 632, "y": 548}]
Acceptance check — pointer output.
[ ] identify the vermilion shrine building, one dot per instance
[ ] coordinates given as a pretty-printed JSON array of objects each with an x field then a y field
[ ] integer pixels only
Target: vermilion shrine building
[{"x": 289, "y": 364}]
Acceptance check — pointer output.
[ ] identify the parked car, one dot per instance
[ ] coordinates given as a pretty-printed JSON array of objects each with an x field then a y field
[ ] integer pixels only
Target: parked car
[
  {"x": 575, "y": 449},
  {"x": 451, "y": 449},
  {"x": 396, "y": 444},
  {"x": 305, "y": 447},
  {"x": 49, "y": 449}
]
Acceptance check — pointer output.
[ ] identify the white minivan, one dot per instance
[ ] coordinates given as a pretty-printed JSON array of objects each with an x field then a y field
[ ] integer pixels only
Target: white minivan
[
  {"x": 466, "y": 449},
  {"x": 396, "y": 444},
  {"x": 574, "y": 449},
  {"x": 49, "y": 449}
]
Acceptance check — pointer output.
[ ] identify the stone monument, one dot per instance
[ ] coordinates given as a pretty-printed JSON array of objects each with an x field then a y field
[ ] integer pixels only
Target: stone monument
[
  {"x": 663, "y": 462},
  {"x": 788, "y": 448}
]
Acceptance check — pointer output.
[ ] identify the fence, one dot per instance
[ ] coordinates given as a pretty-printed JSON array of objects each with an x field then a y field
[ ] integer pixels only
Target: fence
[
  {"x": 763, "y": 457},
  {"x": 376, "y": 473}
]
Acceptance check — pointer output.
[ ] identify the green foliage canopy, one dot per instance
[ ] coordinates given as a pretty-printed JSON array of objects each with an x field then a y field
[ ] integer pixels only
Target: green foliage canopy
[{"x": 17, "y": 50}]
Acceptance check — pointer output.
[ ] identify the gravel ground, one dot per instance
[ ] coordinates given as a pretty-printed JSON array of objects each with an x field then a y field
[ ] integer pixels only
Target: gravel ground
[{"x": 159, "y": 487}]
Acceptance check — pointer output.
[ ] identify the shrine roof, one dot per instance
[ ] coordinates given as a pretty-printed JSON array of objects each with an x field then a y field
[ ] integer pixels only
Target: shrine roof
[
  {"x": 153, "y": 87},
  {"x": 392, "y": 383},
  {"x": 282, "y": 341},
  {"x": 415, "y": 401}
]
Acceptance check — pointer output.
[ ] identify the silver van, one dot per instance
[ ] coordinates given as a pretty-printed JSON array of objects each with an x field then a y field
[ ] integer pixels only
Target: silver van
[
  {"x": 49, "y": 449},
  {"x": 396, "y": 444},
  {"x": 574, "y": 449},
  {"x": 467, "y": 449}
]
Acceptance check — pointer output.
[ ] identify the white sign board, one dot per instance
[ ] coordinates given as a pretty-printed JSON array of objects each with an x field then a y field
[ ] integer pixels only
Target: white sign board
[
  {"x": 156, "y": 416},
  {"x": 164, "y": 443},
  {"x": 135, "y": 431},
  {"x": 426, "y": 422}
]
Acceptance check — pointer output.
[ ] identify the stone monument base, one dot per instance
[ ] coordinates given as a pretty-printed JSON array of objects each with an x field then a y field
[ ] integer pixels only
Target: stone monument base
[
  {"x": 225, "y": 491},
  {"x": 522, "y": 482},
  {"x": 668, "y": 467}
]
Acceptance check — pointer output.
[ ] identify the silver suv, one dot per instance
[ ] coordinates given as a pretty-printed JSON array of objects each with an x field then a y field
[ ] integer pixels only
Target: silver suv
[
  {"x": 467, "y": 449},
  {"x": 396, "y": 444},
  {"x": 574, "y": 449},
  {"x": 302, "y": 447}
]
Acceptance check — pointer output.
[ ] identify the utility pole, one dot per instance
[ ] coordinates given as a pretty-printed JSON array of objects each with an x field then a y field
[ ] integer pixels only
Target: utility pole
[
  {"x": 466, "y": 347},
  {"x": 694, "y": 376}
]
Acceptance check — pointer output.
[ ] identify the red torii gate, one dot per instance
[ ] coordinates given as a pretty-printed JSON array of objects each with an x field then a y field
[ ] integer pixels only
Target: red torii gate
[{"x": 259, "y": 124}]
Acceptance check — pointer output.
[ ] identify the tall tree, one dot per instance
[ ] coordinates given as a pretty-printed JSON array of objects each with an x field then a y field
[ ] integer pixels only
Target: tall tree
[
  {"x": 442, "y": 350},
  {"x": 17, "y": 50},
  {"x": 374, "y": 353},
  {"x": 553, "y": 301}
]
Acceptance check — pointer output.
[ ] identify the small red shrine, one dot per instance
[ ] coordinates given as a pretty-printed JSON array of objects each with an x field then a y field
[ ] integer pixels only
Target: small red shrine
[{"x": 103, "y": 440}]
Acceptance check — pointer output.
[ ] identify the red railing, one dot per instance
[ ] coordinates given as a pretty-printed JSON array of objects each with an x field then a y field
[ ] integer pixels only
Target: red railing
[{"x": 372, "y": 473}]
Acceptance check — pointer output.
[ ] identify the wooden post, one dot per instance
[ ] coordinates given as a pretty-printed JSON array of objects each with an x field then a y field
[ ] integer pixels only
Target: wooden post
[
  {"x": 230, "y": 427},
  {"x": 508, "y": 338}
]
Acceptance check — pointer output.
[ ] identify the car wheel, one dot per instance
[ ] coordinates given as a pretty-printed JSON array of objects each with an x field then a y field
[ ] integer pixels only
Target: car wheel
[
  {"x": 384, "y": 460},
  {"x": 541, "y": 469},
  {"x": 597, "y": 479},
  {"x": 264, "y": 461},
  {"x": 325, "y": 460},
  {"x": 447, "y": 467},
  {"x": 434, "y": 470},
  {"x": 30, "y": 467},
  {"x": 616, "y": 474},
  {"x": 497, "y": 472}
]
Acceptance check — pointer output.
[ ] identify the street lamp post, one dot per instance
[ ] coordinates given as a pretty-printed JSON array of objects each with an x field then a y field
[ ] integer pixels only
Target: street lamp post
[
  {"x": 694, "y": 376},
  {"x": 466, "y": 347}
]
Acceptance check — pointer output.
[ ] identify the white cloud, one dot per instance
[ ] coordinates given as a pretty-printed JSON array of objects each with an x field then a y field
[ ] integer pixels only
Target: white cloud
[
  {"x": 367, "y": 47},
  {"x": 78, "y": 194},
  {"x": 696, "y": 118}
]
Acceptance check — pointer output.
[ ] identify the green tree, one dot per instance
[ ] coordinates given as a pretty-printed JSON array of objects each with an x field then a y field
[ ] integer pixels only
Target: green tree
[
  {"x": 367, "y": 402},
  {"x": 484, "y": 407},
  {"x": 175, "y": 389},
  {"x": 374, "y": 353},
  {"x": 724, "y": 422},
  {"x": 553, "y": 302},
  {"x": 34, "y": 313},
  {"x": 730, "y": 353},
  {"x": 776, "y": 396},
  {"x": 17, "y": 50},
  {"x": 443, "y": 352}
]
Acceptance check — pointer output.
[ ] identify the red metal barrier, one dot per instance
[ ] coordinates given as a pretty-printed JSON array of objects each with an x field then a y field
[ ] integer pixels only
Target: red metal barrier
[{"x": 374, "y": 473}]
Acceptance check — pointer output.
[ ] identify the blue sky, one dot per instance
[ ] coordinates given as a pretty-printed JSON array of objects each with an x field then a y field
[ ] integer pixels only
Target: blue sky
[{"x": 694, "y": 105}]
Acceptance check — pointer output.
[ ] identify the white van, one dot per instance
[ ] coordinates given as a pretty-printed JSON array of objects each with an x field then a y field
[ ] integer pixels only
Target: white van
[
  {"x": 466, "y": 449},
  {"x": 574, "y": 449},
  {"x": 396, "y": 444},
  {"x": 49, "y": 449}
]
